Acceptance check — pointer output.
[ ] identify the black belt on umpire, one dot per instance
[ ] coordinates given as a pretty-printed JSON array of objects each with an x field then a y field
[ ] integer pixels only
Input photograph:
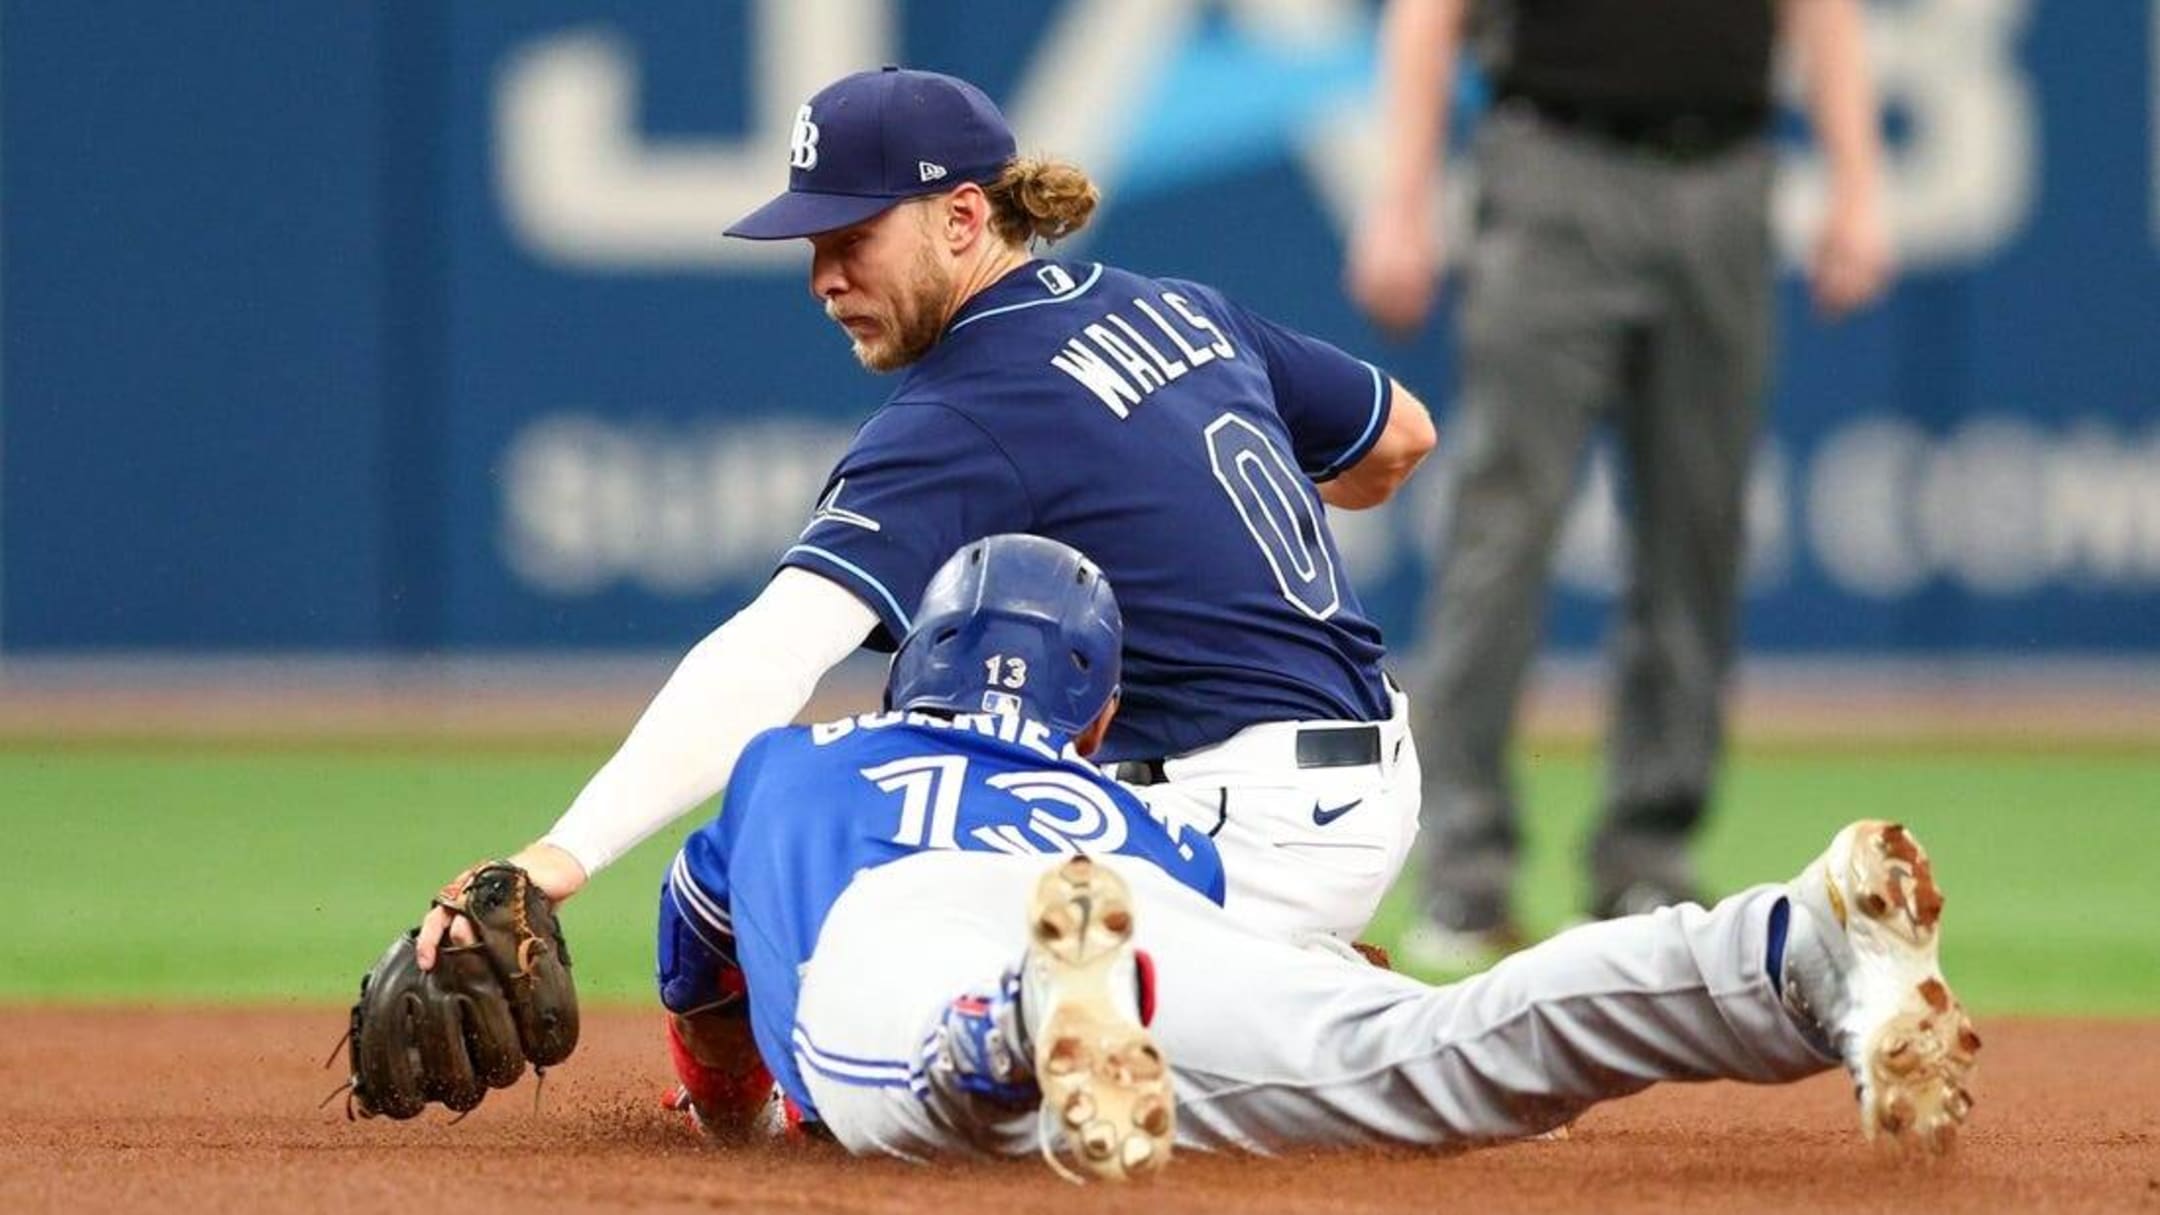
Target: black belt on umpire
[
  {"x": 1681, "y": 137},
  {"x": 1317, "y": 747}
]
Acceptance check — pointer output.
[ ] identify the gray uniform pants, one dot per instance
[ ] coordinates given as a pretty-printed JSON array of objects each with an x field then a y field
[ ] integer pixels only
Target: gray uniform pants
[
  {"x": 1603, "y": 283},
  {"x": 1275, "y": 1047}
]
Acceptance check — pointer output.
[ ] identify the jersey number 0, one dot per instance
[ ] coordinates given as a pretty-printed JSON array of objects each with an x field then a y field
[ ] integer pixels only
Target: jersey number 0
[{"x": 1284, "y": 521}]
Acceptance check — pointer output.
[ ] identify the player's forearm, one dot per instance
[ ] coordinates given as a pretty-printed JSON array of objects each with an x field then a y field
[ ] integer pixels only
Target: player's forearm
[
  {"x": 1830, "y": 38},
  {"x": 749, "y": 675},
  {"x": 1419, "y": 40},
  {"x": 679, "y": 754},
  {"x": 1405, "y": 442}
]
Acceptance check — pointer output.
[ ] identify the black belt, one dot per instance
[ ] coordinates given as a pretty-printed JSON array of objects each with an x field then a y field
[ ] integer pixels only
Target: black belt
[
  {"x": 1317, "y": 747},
  {"x": 1689, "y": 136}
]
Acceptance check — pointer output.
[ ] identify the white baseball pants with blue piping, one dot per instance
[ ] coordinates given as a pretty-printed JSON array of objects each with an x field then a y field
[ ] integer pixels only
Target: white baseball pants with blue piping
[{"x": 1275, "y": 1047}]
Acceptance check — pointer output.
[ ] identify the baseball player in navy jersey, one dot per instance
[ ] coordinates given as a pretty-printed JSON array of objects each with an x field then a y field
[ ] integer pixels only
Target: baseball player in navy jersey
[
  {"x": 1181, "y": 441},
  {"x": 1184, "y": 443},
  {"x": 925, "y": 979}
]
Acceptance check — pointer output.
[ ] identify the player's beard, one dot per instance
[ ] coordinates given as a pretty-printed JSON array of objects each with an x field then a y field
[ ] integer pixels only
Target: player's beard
[{"x": 916, "y": 319}]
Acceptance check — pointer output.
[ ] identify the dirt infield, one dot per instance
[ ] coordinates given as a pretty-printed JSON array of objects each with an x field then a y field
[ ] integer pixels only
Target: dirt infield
[{"x": 116, "y": 1109}]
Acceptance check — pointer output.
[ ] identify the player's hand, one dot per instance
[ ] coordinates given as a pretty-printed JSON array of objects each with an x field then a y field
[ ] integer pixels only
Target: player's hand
[
  {"x": 1853, "y": 262},
  {"x": 1393, "y": 273},
  {"x": 555, "y": 872}
]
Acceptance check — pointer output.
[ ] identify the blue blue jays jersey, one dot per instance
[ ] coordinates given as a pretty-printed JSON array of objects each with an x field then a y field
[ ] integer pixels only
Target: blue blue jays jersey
[
  {"x": 1171, "y": 436},
  {"x": 810, "y": 807}
]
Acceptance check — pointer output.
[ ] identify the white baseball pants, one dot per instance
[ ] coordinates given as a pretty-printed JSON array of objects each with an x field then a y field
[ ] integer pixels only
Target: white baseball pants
[
  {"x": 1276, "y": 1047},
  {"x": 1305, "y": 851}
]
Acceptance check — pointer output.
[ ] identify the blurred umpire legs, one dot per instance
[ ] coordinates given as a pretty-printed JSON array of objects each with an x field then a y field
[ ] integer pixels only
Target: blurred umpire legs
[{"x": 1603, "y": 284}]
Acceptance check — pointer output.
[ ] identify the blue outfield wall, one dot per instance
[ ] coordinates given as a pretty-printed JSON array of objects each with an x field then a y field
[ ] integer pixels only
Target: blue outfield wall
[{"x": 409, "y": 326}]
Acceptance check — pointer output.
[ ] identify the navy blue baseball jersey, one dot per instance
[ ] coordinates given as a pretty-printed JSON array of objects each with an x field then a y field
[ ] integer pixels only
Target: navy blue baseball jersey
[
  {"x": 809, "y": 807},
  {"x": 1170, "y": 435}
]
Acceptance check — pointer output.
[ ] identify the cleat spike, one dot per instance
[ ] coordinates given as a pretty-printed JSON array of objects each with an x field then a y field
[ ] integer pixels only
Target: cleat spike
[
  {"x": 1065, "y": 1056},
  {"x": 1898, "y": 842},
  {"x": 1927, "y": 902},
  {"x": 1898, "y": 1115},
  {"x": 1936, "y": 995}
]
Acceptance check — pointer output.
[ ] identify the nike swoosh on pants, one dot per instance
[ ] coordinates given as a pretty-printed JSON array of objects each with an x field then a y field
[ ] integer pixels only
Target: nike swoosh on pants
[{"x": 1322, "y": 817}]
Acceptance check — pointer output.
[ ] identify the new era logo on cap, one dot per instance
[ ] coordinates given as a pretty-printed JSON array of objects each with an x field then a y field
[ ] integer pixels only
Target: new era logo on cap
[{"x": 867, "y": 141}]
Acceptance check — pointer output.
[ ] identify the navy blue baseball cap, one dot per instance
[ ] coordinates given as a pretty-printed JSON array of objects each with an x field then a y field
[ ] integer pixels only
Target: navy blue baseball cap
[{"x": 871, "y": 140}]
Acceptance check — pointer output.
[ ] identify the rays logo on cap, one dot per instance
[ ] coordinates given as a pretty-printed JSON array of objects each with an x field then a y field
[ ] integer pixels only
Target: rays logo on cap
[{"x": 802, "y": 145}]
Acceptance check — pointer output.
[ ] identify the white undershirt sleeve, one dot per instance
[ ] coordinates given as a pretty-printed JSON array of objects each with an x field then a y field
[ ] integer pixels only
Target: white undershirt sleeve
[{"x": 752, "y": 673}]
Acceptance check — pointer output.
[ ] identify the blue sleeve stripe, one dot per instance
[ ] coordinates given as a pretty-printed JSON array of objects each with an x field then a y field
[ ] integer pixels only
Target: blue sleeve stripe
[
  {"x": 1356, "y": 451},
  {"x": 724, "y": 948},
  {"x": 1055, "y": 299},
  {"x": 696, "y": 899},
  {"x": 926, "y": 1058},
  {"x": 864, "y": 576}
]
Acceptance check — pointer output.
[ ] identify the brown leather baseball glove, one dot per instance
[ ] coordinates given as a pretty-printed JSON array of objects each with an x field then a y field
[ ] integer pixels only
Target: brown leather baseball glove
[{"x": 473, "y": 1022}]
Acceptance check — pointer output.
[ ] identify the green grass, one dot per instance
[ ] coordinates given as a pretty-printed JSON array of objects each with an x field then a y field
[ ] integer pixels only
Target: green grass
[
  {"x": 231, "y": 874},
  {"x": 2047, "y": 857}
]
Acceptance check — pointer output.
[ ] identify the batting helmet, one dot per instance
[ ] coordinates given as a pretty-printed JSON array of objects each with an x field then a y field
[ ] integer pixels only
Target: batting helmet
[{"x": 1013, "y": 623}]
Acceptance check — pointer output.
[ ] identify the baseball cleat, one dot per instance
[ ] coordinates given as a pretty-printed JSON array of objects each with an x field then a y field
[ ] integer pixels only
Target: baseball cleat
[
  {"x": 723, "y": 1088},
  {"x": 1862, "y": 967},
  {"x": 1106, "y": 1094},
  {"x": 777, "y": 1120}
]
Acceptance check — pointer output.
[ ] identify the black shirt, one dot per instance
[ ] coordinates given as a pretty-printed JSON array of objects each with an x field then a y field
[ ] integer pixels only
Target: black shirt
[{"x": 1644, "y": 58}]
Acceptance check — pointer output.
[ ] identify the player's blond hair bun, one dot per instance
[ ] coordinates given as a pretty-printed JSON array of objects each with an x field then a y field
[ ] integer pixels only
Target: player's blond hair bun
[{"x": 1037, "y": 198}]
